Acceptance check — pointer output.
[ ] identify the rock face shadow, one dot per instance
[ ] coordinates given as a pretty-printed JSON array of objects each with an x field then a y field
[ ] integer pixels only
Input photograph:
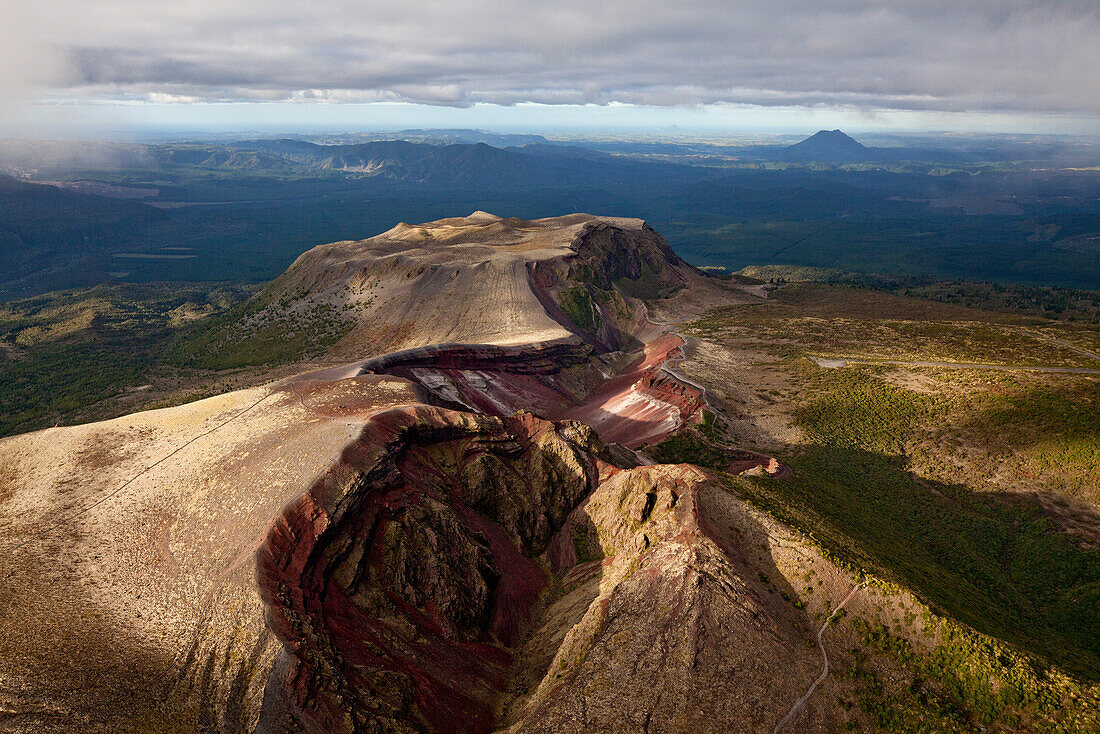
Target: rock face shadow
[
  {"x": 998, "y": 563},
  {"x": 683, "y": 621},
  {"x": 402, "y": 582}
]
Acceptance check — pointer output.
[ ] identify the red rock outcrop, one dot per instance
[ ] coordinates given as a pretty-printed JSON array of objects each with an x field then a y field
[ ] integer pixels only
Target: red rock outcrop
[
  {"x": 400, "y": 581},
  {"x": 644, "y": 403},
  {"x": 463, "y": 566},
  {"x": 627, "y": 397},
  {"x": 456, "y": 572}
]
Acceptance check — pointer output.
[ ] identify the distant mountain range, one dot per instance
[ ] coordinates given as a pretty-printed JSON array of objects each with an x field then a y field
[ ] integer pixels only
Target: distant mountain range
[
  {"x": 476, "y": 165},
  {"x": 246, "y": 209},
  {"x": 445, "y": 136}
]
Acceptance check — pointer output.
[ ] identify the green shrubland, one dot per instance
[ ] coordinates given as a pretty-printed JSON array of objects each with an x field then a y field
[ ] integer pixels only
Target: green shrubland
[{"x": 914, "y": 485}]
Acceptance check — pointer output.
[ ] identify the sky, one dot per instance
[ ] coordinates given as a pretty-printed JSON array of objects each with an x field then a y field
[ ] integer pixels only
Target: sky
[{"x": 80, "y": 66}]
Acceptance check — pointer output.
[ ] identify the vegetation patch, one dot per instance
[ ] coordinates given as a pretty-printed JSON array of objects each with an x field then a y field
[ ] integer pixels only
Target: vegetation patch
[
  {"x": 999, "y": 567},
  {"x": 1049, "y": 302},
  {"x": 62, "y": 354},
  {"x": 843, "y": 321},
  {"x": 579, "y": 306},
  {"x": 690, "y": 446},
  {"x": 65, "y": 355},
  {"x": 853, "y": 408},
  {"x": 967, "y": 681},
  {"x": 1049, "y": 433},
  {"x": 257, "y": 333}
]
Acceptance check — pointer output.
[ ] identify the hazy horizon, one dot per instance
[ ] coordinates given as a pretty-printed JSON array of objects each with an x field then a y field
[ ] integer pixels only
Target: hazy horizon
[{"x": 73, "y": 70}]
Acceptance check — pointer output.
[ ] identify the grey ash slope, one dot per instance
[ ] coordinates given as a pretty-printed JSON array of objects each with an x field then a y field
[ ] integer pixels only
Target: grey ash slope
[{"x": 481, "y": 279}]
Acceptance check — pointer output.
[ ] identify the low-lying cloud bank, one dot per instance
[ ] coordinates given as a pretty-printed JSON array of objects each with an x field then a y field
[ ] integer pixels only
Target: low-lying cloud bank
[{"x": 984, "y": 55}]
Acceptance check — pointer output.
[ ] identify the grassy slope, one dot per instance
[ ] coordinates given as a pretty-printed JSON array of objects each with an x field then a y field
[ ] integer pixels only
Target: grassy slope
[
  {"x": 917, "y": 485},
  {"x": 74, "y": 356},
  {"x": 991, "y": 562},
  {"x": 1050, "y": 302}
]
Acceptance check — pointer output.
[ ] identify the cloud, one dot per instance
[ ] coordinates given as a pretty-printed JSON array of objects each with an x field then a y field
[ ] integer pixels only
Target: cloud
[
  {"x": 981, "y": 55},
  {"x": 26, "y": 60}
]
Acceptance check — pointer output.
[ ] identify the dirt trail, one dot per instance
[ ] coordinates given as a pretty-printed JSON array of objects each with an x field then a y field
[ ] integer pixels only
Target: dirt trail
[
  {"x": 82, "y": 510},
  {"x": 669, "y": 366},
  {"x": 1061, "y": 343},
  {"x": 825, "y": 658},
  {"x": 670, "y": 369},
  {"x": 832, "y": 362}
]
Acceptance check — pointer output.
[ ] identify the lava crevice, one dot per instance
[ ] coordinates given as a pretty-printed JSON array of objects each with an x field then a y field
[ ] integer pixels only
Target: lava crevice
[{"x": 400, "y": 581}]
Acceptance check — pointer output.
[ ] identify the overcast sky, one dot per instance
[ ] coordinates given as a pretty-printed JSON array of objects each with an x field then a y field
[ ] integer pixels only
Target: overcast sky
[{"x": 911, "y": 60}]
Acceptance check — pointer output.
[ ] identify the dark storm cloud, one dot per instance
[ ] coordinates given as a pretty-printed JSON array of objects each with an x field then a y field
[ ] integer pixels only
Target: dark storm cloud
[{"x": 977, "y": 56}]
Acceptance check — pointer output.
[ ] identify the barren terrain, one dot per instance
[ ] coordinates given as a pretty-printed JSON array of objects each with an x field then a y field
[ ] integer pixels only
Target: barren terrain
[{"x": 542, "y": 481}]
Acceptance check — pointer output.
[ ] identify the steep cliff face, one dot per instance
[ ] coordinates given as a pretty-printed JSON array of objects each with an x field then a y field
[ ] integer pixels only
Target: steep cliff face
[
  {"x": 401, "y": 580},
  {"x": 472, "y": 280},
  {"x": 464, "y": 573},
  {"x": 638, "y": 261},
  {"x": 599, "y": 288},
  {"x": 480, "y": 280},
  {"x": 627, "y": 397}
]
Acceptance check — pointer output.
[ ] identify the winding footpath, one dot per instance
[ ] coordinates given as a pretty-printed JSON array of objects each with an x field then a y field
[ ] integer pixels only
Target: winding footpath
[
  {"x": 109, "y": 495},
  {"x": 825, "y": 658},
  {"x": 1061, "y": 343},
  {"x": 669, "y": 368},
  {"x": 832, "y": 362}
]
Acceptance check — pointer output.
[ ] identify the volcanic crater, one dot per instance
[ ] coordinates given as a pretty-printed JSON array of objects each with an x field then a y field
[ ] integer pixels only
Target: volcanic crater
[{"x": 460, "y": 530}]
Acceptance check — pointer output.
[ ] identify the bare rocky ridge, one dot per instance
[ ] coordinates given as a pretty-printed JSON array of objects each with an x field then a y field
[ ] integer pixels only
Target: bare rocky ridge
[
  {"x": 404, "y": 581},
  {"x": 400, "y": 581},
  {"x": 456, "y": 536},
  {"x": 485, "y": 280}
]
